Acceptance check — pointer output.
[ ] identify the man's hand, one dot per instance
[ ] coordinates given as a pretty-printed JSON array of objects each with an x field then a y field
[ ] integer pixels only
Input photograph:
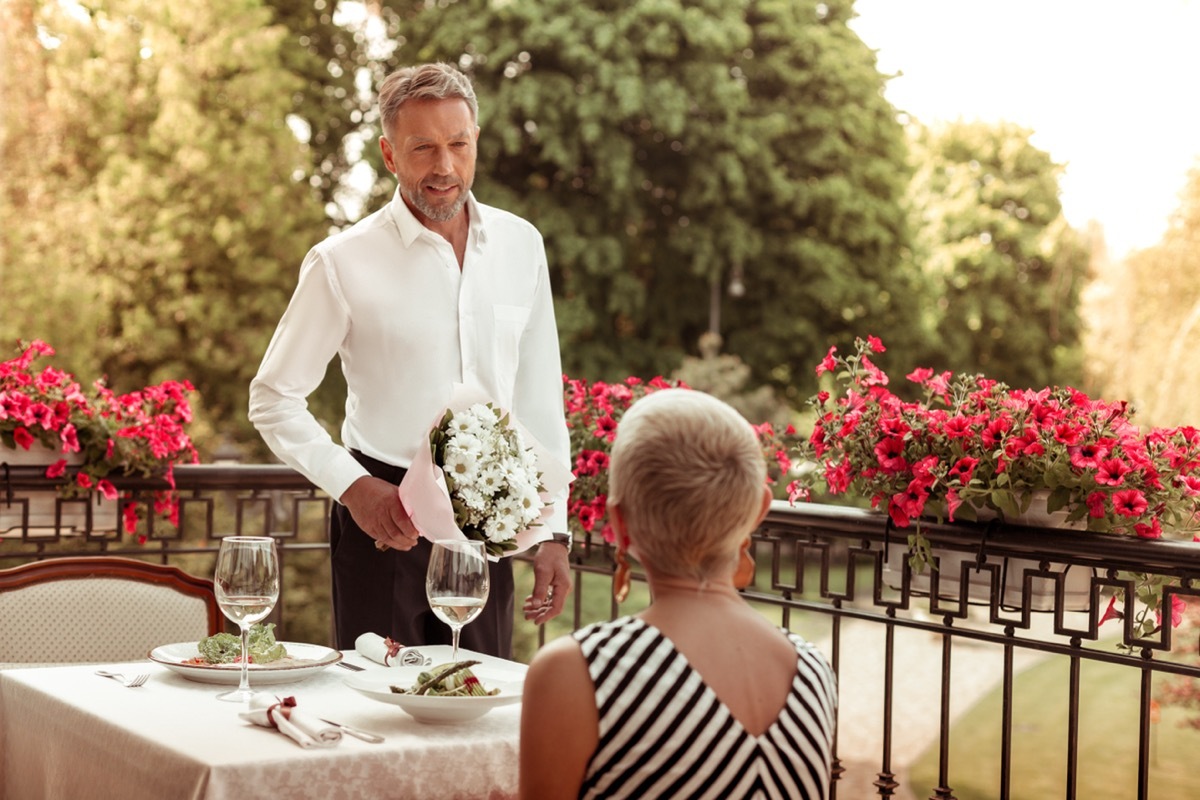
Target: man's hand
[
  {"x": 375, "y": 505},
  {"x": 551, "y": 583}
]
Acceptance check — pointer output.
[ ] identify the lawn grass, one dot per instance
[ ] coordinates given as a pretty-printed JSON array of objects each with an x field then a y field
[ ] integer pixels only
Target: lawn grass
[
  {"x": 597, "y": 604},
  {"x": 1108, "y": 741}
]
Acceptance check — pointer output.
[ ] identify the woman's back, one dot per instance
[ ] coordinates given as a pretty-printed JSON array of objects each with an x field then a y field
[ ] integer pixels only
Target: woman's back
[
  {"x": 664, "y": 730},
  {"x": 698, "y": 696}
]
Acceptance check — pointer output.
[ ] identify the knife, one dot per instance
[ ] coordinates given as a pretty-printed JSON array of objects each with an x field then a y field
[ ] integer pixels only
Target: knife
[{"x": 357, "y": 733}]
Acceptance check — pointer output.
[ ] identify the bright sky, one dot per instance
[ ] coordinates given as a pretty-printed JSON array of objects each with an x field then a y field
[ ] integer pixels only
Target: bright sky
[{"x": 1109, "y": 88}]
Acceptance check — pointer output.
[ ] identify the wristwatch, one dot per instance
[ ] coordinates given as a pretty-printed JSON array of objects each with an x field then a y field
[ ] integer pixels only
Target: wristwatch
[{"x": 563, "y": 539}]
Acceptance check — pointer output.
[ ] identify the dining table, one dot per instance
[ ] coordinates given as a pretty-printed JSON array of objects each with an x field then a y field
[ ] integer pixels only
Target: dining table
[{"x": 66, "y": 732}]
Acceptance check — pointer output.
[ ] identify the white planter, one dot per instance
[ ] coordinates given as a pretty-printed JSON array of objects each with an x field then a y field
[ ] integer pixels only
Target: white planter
[
  {"x": 43, "y": 504},
  {"x": 1011, "y": 578},
  {"x": 1077, "y": 581}
]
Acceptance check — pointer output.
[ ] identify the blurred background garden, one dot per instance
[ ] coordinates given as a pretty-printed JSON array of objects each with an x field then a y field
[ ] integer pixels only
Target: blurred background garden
[{"x": 726, "y": 189}]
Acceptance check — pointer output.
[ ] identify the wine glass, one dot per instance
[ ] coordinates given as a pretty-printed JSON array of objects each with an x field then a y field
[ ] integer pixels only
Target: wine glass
[
  {"x": 457, "y": 584},
  {"x": 247, "y": 586}
]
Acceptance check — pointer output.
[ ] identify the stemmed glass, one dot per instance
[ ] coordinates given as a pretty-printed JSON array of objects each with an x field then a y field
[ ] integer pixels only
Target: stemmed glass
[
  {"x": 457, "y": 584},
  {"x": 247, "y": 587}
]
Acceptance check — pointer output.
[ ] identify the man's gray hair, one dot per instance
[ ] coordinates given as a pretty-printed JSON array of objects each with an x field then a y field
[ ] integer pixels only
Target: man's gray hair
[{"x": 424, "y": 82}]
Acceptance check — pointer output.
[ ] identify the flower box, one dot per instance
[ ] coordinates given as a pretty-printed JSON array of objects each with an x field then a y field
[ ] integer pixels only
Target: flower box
[
  {"x": 971, "y": 447},
  {"x": 1077, "y": 590},
  {"x": 1077, "y": 580},
  {"x": 48, "y": 513},
  {"x": 101, "y": 434}
]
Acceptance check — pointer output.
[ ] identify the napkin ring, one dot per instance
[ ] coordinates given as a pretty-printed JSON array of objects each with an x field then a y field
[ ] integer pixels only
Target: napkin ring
[
  {"x": 393, "y": 647},
  {"x": 287, "y": 702}
]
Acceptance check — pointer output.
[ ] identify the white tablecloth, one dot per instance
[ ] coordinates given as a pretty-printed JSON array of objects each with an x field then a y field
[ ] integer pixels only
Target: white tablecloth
[{"x": 67, "y": 733}]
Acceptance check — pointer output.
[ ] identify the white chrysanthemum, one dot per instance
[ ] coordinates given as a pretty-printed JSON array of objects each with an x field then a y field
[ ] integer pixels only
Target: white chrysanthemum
[
  {"x": 478, "y": 504},
  {"x": 491, "y": 479},
  {"x": 462, "y": 465},
  {"x": 473, "y": 421},
  {"x": 529, "y": 460},
  {"x": 471, "y": 442},
  {"x": 529, "y": 501},
  {"x": 501, "y": 527}
]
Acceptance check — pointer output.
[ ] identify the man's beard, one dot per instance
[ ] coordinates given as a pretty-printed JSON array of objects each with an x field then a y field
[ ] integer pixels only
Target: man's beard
[{"x": 435, "y": 213}]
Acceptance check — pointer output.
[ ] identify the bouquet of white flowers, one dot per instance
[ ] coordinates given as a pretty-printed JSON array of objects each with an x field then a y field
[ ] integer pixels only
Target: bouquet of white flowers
[{"x": 483, "y": 477}]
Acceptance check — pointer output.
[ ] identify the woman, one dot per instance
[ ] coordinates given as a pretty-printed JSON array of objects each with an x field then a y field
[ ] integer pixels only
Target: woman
[{"x": 698, "y": 695}]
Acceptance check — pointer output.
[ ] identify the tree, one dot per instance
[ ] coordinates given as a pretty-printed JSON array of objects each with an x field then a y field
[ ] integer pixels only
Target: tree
[
  {"x": 327, "y": 55},
  {"x": 668, "y": 149},
  {"x": 993, "y": 239},
  {"x": 161, "y": 224},
  {"x": 1142, "y": 345}
]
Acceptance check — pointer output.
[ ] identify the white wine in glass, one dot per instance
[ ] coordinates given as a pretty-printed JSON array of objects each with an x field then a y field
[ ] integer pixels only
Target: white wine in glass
[
  {"x": 247, "y": 588},
  {"x": 457, "y": 584}
]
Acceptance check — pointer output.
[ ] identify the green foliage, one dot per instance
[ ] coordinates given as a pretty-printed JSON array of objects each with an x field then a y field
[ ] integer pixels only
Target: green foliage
[
  {"x": 666, "y": 148},
  {"x": 993, "y": 238},
  {"x": 325, "y": 56},
  {"x": 1143, "y": 346},
  {"x": 161, "y": 225},
  {"x": 727, "y": 377}
]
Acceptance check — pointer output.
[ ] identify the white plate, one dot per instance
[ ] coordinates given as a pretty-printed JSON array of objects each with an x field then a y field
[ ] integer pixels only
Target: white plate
[
  {"x": 312, "y": 658},
  {"x": 376, "y": 684}
]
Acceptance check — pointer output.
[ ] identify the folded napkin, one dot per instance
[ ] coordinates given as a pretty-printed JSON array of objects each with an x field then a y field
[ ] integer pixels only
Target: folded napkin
[
  {"x": 387, "y": 652},
  {"x": 306, "y": 731}
]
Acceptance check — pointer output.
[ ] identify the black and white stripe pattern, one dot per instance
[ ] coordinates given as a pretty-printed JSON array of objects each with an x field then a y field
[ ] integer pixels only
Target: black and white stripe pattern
[{"x": 664, "y": 733}]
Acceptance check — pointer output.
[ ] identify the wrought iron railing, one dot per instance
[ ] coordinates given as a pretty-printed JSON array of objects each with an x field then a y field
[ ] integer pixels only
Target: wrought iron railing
[{"x": 837, "y": 575}]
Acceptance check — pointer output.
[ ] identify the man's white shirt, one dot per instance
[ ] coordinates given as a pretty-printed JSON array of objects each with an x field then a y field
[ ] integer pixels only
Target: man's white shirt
[{"x": 388, "y": 297}]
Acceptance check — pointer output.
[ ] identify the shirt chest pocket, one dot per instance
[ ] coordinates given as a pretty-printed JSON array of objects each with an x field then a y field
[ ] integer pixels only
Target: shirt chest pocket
[{"x": 510, "y": 322}]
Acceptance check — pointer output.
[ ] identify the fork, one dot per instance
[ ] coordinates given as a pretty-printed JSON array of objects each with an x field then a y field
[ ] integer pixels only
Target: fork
[{"x": 130, "y": 682}]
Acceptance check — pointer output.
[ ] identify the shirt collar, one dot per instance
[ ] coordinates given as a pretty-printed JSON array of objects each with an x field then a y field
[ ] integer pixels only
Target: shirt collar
[{"x": 410, "y": 227}]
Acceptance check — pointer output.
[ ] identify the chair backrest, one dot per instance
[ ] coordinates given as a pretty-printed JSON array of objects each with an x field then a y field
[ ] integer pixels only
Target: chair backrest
[{"x": 96, "y": 609}]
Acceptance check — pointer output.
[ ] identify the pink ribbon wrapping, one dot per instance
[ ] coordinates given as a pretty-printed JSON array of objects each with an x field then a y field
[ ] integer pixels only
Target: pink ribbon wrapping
[{"x": 426, "y": 498}]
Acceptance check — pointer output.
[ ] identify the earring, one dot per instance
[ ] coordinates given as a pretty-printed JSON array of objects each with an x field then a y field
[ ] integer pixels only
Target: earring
[
  {"x": 621, "y": 577},
  {"x": 746, "y": 568}
]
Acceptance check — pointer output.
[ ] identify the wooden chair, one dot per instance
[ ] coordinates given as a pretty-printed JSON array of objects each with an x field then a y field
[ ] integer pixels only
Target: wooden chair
[{"x": 100, "y": 609}]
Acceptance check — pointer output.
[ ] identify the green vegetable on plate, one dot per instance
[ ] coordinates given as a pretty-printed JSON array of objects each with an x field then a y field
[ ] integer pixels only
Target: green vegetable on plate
[{"x": 226, "y": 648}]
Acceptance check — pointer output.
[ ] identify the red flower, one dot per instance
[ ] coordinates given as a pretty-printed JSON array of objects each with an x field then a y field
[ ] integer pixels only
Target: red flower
[
  {"x": 1129, "y": 503},
  {"x": 606, "y": 429},
  {"x": 958, "y": 427},
  {"x": 963, "y": 469},
  {"x": 1151, "y": 531},
  {"x": 1112, "y": 472},
  {"x": 828, "y": 364},
  {"x": 1088, "y": 456},
  {"x": 920, "y": 375},
  {"x": 953, "y": 501},
  {"x": 890, "y": 454},
  {"x": 1177, "y": 609},
  {"x": 23, "y": 438},
  {"x": 1111, "y": 611},
  {"x": 837, "y": 476}
]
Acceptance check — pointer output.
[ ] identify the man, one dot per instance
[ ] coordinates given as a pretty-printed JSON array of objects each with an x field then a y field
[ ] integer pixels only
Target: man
[{"x": 433, "y": 289}]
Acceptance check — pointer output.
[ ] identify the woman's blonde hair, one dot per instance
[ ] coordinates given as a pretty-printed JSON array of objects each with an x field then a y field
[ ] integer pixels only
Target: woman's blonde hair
[{"x": 688, "y": 474}]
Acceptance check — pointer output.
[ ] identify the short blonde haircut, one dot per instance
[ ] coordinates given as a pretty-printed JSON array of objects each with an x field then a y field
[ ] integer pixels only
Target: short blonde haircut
[
  {"x": 424, "y": 82},
  {"x": 688, "y": 473}
]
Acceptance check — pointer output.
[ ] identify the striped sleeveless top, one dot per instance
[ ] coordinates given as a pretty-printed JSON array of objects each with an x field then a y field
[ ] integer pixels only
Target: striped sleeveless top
[{"x": 664, "y": 734}]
